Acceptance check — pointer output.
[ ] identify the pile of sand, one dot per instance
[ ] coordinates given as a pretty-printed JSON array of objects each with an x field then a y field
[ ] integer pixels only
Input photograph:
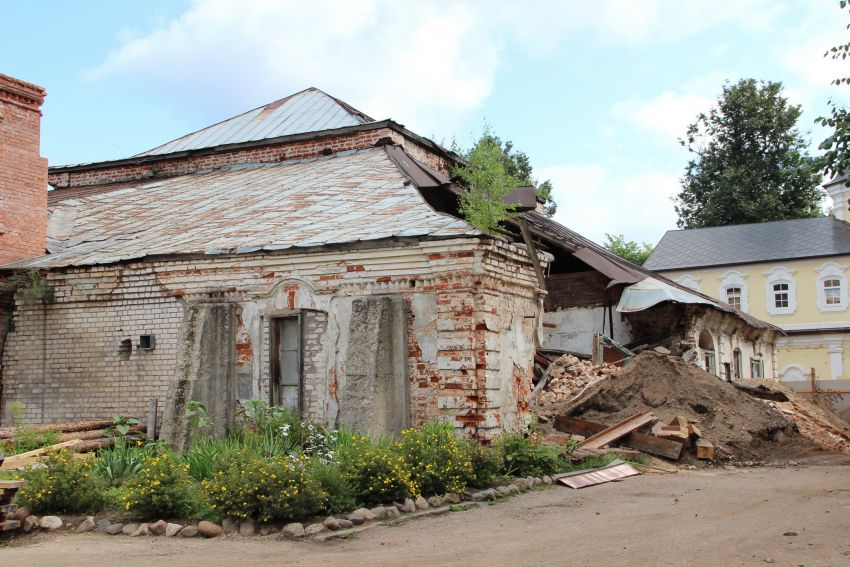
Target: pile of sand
[{"x": 740, "y": 427}]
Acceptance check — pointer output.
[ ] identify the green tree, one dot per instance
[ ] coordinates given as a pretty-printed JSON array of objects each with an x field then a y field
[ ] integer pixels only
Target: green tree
[
  {"x": 836, "y": 147},
  {"x": 487, "y": 183},
  {"x": 751, "y": 162},
  {"x": 631, "y": 250},
  {"x": 516, "y": 164}
]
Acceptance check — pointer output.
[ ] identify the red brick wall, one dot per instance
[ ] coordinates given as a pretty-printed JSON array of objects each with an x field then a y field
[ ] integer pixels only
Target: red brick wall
[{"x": 23, "y": 172}]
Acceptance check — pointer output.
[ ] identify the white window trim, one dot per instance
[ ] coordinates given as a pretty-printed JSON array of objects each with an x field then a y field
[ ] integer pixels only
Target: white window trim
[
  {"x": 781, "y": 274},
  {"x": 832, "y": 271},
  {"x": 734, "y": 278},
  {"x": 689, "y": 282},
  {"x": 794, "y": 373}
]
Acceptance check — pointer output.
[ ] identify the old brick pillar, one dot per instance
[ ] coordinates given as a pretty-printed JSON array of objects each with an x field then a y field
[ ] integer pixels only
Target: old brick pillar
[{"x": 23, "y": 172}]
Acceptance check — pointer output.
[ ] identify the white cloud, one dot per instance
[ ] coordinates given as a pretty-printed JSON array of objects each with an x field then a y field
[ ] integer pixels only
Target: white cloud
[
  {"x": 666, "y": 116},
  {"x": 422, "y": 63},
  {"x": 593, "y": 201}
]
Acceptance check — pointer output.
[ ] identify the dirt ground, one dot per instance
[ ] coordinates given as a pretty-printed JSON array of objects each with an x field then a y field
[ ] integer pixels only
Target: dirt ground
[{"x": 709, "y": 517}]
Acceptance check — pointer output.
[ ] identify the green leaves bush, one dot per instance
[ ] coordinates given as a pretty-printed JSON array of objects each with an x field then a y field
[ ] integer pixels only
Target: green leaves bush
[
  {"x": 65, "y": 485},
  {"x": 267, "y": 489},
  {"x": 437, "y": 459},
  {"x": 376, "y": 471},
  {"x": 161, "y": 488},
  {"x": 524, "y": 456}
]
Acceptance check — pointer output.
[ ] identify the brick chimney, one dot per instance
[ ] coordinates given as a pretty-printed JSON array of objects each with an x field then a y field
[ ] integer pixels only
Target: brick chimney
[{"x": 23, "y": 172}]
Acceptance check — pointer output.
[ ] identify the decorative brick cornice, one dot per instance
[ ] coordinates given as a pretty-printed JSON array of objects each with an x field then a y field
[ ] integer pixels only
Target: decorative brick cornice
[{"x": 21, "y": 93}]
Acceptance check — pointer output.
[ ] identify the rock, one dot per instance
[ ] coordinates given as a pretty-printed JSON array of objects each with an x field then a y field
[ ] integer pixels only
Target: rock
[
  {"x": 50, "y": 522},
  {"x": 314, "y": 529},
  {"x": 21, "y": 514},
  {"x": 513, "y": 489},
  {"x": 158, "y": 528},
  {"x": 435, "y": 502},
  {"x": 356, "y": 518},
  {"x": 30, "y": 523},
  {"x": 115, "y": 529},
  {"x": 408, "y": 507},
  {"x": 345, "y": 524},
  {"x": 467, "y": 494},
  {"x": 451, "y": 498},
  {"x": 248, "y": 528},
  {"x": 503, "y": 490},
  {"x": 661, "y": 350},
  {"x": 267, "y": 529},
  {"x": 379, "y": 512},
  {"x": 209, "y": 529},
  {"x": 479, "y": 497},
  {"x": 189, "y": 531},
  {"x": 331, "y": 523},
  {"x": 228, "y": 526},
  {"x": 490, "y": 494},
  {"x": 86, "y": 525},
  {"x": 129, "y": 528},
  {"x": 538, "y": 481},
  {"x": 367, "y": 514},
  {"x": 391, "y": 512},
  {"x": 142, "y": 530},
  {"x": 529, "y": 480},
  {"x": 421, "y": 503},
  {"x": 102, "y": 524},
  {"x": 789, "y": 534},
  {"x": 172, "y": 530},
  {"x": 294, "y": 529},
  {"x": 522, "y": 484}
]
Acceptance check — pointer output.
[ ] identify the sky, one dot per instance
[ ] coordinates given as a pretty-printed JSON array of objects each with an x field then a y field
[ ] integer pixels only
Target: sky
[{"x": 596, "y": 93}]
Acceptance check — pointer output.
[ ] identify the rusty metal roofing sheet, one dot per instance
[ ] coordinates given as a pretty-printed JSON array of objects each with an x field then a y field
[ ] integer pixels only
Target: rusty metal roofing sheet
[
  {"x": 310, "y": 110},
  {"x": 615, "y": 470},
  {"x": 345, "y": 198}
]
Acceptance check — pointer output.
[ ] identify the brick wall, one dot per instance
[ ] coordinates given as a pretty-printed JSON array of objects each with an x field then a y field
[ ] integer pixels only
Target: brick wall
[
  {"x": 23, "y": 172},
  {"x": 469, "y": 349}
]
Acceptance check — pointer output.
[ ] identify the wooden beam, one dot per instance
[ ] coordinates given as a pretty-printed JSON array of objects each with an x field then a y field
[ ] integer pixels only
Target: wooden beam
[
  {"x": 532, "y": 251},
  {"x": 618, "y": 430},
  {"x": 666, "y": 448}
]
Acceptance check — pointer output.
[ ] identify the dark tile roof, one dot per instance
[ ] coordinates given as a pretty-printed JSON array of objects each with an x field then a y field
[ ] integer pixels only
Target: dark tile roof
[{"x": 750, "y": 243}]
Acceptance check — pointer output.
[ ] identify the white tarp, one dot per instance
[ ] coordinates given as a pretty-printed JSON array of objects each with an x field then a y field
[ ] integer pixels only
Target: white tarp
[{"x": 651, "y": 291}]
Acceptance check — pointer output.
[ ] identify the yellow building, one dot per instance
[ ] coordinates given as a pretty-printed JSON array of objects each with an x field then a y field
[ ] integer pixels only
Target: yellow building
[{"x": 791, "y": 273}]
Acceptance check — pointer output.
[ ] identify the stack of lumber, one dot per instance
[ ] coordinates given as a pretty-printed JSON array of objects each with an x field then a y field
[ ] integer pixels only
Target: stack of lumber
[{"x": 8, "y": 489}]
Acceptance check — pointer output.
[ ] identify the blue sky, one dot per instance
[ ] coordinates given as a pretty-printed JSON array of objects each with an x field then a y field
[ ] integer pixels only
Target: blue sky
[{"x": 596, "y": 93}]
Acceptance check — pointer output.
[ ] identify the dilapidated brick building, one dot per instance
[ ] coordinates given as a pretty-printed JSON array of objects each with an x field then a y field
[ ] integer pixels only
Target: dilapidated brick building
[{"x": 301, "y": 253}]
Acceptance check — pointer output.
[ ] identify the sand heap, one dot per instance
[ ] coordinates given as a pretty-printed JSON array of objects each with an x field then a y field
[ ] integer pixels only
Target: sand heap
[{"x": 569, "y": 375}]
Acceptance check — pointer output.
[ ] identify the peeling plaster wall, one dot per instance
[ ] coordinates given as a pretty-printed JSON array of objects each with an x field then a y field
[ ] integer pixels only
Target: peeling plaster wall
[
  {"x": 472, "y": 311},
  {"x": 573, "y": 329}
]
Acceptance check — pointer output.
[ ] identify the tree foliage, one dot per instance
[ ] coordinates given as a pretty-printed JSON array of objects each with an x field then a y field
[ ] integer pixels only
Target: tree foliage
[
  {"x": 751, "y": 162},
  {"x": 630, "y": 250},
  {"x": 516, "y": 164},
  {"x": 836, "y": 147}
]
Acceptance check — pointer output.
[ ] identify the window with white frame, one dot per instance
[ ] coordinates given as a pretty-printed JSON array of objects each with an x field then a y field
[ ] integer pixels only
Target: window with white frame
[
  {"x": 781, "y": 291},
  {"x": 832, "y": 287},
  {"x": 733, "y": 289},
  {"x": 756, "y": 367}
]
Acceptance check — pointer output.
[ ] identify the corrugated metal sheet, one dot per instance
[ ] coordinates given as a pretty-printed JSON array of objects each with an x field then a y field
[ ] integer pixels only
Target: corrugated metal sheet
[
  {"x": 310, "y": 110},
  {"x": 346, "y": 198},
  {"x": 616, "y": 470}
]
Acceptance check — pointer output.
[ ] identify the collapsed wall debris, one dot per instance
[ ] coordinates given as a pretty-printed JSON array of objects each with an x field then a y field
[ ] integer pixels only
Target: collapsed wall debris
[{"x": 691, "y": 404}]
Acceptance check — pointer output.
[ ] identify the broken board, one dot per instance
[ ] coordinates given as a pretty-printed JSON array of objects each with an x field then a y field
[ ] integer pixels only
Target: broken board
[
  {"x": 617, "y": 431},
  {"x": 666, "y": 448},
  {"x": 613, "y": 471}
]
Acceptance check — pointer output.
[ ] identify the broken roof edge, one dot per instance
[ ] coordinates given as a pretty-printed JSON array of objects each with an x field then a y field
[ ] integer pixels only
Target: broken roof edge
[
  {"x": 304, "y": 136},
  {"x": 271, "y": 250}
]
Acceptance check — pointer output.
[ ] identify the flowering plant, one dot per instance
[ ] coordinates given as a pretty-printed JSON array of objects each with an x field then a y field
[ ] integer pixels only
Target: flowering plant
[
  {"x": 65, "y": 485},
  {"x": 161, "y": 488}
]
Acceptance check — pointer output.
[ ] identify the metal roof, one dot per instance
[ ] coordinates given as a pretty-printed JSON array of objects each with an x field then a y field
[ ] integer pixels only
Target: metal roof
[
  {"x": 310, "y": 110},
  {"x": 750, "y": 243},
  {"x": 349, "y": 197}
]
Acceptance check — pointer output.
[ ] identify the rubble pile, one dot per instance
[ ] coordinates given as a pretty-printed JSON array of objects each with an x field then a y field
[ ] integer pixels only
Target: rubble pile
[{"x": 569, "y": 375}]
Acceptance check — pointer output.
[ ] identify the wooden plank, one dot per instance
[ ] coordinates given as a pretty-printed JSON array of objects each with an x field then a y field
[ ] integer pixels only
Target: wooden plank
[
  {"x": 12, "y": 484},
  {"x": 9, "y": 432},
  {"x": 653, "y": 445},
  {"x": 30, "y": 457},
  {"x": 618, "y": 430},
  {"x": 705, "y": 449}
]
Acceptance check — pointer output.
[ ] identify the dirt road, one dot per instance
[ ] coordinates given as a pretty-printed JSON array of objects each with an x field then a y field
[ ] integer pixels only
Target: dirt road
[{"x": 714, "y": 518}]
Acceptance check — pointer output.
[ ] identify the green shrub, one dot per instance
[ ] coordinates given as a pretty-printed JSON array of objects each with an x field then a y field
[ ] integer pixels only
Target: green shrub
[
  {"x": 376, "y": 470},
  {"x": 437, "y": 459},
  {"x": 339, "y": 495},
  {"x": 266, "y": 489},
  {"x": 486, "y": 463},
  {"x": 160, "y": 489},
  {"x": 65, "y": 485},
  {"x": 124, "y": 459},
  {"x": 28, "y": 438},
  {"x": 524, "y": 456}
]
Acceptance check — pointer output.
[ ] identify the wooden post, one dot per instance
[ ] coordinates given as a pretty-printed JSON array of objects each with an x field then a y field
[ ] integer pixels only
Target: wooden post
[
  {"x": 532, "y": 252},
  {"x": 151, "y": 433},
  {"x": 813, "y": 379}
]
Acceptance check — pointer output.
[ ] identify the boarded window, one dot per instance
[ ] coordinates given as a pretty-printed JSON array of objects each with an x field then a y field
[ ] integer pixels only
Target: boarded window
[{"x": 287, "y": 380}]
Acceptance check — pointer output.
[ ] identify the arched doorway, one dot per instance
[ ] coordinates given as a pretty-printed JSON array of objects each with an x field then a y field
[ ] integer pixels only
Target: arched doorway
[{"x": 706, "y": 345}]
